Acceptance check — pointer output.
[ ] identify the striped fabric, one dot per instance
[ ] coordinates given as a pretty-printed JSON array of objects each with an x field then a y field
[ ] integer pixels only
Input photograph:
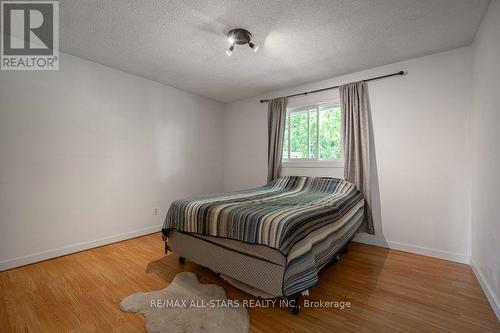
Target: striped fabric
[{"x": 294, "y": 215}]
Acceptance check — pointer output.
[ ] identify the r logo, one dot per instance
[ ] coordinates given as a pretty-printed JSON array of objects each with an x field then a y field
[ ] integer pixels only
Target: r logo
[{"x": 29, "y": 29}]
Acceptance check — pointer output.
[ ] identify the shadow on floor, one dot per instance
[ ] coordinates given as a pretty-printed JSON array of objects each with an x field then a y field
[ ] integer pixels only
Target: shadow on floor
[{"x": 351, "y": 279}]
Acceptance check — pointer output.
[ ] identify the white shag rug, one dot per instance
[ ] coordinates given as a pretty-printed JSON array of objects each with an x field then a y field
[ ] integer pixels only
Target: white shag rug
[{"x": 188, "y": 306}]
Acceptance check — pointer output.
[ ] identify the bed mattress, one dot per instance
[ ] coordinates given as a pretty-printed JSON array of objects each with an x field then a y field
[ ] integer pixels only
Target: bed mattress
[
  {"x": 255, "y": 269},
  {"x": 298, "y": 221}
]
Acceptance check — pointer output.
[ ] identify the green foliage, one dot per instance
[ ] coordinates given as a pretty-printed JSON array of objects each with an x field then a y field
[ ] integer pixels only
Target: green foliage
[
  {"x": 313, "y": 137},
  {"x": 330, "y": 142},
  {"x": 303, "y": 145},
  {"x": 298, "y": 136}
]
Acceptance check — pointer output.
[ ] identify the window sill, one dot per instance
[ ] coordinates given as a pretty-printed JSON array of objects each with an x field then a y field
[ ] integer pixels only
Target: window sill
[{"x": 313, "y": 164}]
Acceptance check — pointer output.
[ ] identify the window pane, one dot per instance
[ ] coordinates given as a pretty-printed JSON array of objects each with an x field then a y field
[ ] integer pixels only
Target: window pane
[
  {"x": 329, "y": 133},
  {"x": 285, "y": 141},
  {"x": 313, "y": 133},
  {"x": 298, "y": 135}
]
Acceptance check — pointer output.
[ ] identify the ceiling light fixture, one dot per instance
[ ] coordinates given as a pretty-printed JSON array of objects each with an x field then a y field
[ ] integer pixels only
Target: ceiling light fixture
[{"x": 240, "y": 37}]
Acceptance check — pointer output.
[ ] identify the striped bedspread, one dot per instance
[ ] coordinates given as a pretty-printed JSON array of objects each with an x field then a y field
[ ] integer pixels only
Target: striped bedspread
[{"x": 298, "y": 216}]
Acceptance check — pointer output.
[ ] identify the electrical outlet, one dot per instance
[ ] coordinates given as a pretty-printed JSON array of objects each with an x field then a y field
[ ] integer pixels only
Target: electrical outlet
[{"x": 155, "y": 211}]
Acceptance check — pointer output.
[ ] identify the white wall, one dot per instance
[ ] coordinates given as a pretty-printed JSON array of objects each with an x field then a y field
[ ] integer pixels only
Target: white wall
[
  {"x": 86, "y": 152},
  {"x": 486, "y": 147},
  {"x": 420, "y": 132}
]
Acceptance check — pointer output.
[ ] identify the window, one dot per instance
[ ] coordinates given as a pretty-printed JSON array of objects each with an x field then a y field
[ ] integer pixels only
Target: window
[{"x": 313, "y": 133}]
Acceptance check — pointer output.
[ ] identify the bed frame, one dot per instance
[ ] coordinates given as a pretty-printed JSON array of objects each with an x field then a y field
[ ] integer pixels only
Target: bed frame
[{"x": 293, "y": 300}]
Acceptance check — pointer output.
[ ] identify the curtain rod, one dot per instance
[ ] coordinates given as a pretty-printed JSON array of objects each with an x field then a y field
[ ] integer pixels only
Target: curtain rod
[{"x": 328, "y": 88}]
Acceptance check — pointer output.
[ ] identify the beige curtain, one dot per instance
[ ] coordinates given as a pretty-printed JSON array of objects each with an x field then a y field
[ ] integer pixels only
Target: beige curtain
[
  {"x": 276, "y": 117},
  {"x": 356, "y": 129}
]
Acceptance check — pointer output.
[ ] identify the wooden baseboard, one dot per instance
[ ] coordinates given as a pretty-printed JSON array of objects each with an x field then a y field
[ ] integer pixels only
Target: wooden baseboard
[
  {"x": 488, "y": 290},
  {"x": 49, "y": 254},
  {"x": 451, "y": 256}
]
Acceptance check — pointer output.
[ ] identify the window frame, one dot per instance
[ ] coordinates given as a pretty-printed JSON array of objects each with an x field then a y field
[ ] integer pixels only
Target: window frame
[{"x": 310, "y": 162}]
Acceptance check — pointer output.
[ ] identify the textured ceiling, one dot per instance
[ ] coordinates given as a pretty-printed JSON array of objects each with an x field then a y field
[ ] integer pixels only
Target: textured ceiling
[{"x": 182, "y": 42}]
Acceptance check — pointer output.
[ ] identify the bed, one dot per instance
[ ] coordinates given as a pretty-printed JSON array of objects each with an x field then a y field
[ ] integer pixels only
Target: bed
[{"x": 269, "y": 241}]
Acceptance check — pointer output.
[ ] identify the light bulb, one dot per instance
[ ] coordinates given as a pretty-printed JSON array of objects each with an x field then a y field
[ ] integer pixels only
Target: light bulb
[
  {"x": 230, "y": 40},
  {"x": 253, "y": 46}
]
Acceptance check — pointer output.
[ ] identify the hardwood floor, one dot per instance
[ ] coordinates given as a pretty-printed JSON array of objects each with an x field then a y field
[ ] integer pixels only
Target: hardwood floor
[{"x": 390, "y": 291}]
